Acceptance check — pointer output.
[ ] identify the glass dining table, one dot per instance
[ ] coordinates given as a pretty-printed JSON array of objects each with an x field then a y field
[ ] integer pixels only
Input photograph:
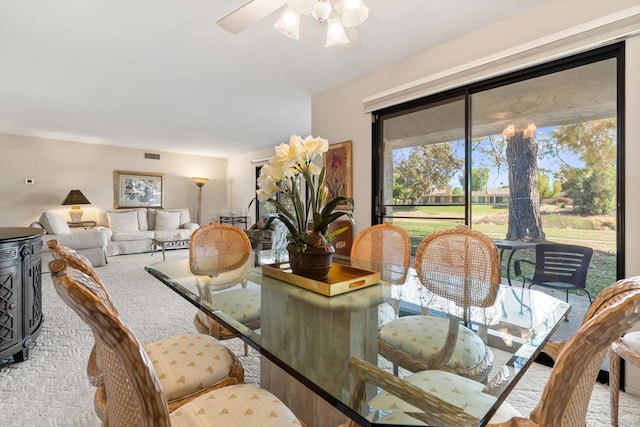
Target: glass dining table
[{"x": 306, "y": 340}]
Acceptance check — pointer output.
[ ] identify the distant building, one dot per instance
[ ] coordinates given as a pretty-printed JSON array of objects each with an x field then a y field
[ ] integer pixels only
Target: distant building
[{"x": 492, "y": 196}]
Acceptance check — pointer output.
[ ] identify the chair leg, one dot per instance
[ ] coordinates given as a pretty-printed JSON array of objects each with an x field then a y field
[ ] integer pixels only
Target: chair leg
[
  {"x": 614, "y": 385},
  {"x": 589, "y": 295},
  {"x": 246, "y": 349},
  {"x": 395, "y": 369}
]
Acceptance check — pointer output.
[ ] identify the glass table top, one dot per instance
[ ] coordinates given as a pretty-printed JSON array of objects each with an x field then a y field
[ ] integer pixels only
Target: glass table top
[{"x": 313, "y": 337}]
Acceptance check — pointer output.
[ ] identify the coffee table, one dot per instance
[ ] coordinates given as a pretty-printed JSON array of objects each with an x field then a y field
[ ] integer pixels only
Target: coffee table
[{"x": 169, "y": 242}]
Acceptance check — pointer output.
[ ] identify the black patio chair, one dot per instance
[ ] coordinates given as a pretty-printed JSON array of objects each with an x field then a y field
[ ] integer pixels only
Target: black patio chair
[{"x": 558, "y": 266}]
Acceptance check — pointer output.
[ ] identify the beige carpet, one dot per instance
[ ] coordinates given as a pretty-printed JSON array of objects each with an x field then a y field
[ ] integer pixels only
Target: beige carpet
[{"x": 51, "y": 389}]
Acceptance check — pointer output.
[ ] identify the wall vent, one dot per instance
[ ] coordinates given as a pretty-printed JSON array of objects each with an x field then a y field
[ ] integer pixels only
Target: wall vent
[{"x": 152, "y": 156}]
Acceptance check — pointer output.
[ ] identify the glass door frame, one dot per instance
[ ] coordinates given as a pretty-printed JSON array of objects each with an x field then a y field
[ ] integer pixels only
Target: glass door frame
[{"x": 607, "y": 52}]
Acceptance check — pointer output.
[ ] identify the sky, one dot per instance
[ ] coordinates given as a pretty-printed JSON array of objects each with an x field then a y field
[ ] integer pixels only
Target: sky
[{"x": 500, "y": 178}]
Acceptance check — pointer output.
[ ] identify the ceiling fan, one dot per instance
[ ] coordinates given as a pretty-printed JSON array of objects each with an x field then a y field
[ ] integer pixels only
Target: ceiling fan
[{"x": 342, "y": 17}]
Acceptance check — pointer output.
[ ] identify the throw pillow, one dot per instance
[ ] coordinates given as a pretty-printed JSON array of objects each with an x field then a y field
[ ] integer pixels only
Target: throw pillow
[
  {"x": 54, "y": 223},
  {"x": 122, "y": 222},
  {"x": 167, "y": 220}
]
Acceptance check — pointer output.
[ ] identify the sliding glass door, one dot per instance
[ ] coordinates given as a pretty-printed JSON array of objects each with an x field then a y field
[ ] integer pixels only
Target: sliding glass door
[{"x": 532, "y": 156}]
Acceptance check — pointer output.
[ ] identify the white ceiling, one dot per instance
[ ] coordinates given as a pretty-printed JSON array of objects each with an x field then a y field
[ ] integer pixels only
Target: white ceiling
[{"x": 161, "y": 75}]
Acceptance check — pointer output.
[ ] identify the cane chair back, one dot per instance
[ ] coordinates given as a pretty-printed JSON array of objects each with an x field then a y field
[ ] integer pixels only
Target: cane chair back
[
  {"x": 462, "y": 266},
  {"x": 136, "y": 396},
  {"x": 221, "y": 248},
  {"x": 383, "y": 243},
  {"x": 169, "y": 363},
  {"x": 565, "y": 398},
  {"x": 211, "y": 241}
]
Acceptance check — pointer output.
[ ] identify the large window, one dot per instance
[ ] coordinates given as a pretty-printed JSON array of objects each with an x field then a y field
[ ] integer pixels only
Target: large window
[{"x": 529, "y": 156}]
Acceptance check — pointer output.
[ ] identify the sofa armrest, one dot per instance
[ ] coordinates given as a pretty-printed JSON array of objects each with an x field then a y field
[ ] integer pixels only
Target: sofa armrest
[
  {"x": 85, "y": 239},
  {"x": 106, "y": 231},
  {"x": 191, "y": 226}
]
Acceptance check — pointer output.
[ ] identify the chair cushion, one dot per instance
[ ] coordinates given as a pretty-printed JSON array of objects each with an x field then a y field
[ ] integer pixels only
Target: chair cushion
[
  {"x": 54, "y": 223},
  {"x": 235, "y": 405},
  {"x": 185, "y": 217},
  {"x": 188, "y": 363},
  {"x": 166, "y": 220},
  {"x": 459, "y": 391},
  {"x": 123, "y": 222},
  {"x": 423, "y": 336},
  {"x": 242, "y": 305}
]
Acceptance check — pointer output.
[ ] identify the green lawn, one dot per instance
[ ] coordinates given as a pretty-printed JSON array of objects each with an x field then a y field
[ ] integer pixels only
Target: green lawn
[{"x": 557, "y": 228}]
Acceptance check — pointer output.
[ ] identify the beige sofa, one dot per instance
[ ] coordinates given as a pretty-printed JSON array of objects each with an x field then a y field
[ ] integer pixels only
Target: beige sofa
[
  {"x": 118, "y": 232},
  {"x": 131, "y": 230}
]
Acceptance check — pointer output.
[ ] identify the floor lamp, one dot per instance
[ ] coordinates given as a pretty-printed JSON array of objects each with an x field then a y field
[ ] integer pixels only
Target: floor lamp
[{"x": 199, "y": 183}]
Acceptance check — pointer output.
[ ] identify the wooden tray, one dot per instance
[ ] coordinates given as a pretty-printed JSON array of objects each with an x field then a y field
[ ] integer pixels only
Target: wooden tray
[{"x": 341, "y": 279}]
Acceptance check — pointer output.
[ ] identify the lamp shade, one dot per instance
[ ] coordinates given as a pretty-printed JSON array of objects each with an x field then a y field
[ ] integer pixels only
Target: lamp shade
[
  {"x": 75, "y": 197},
  {"x": 200, "y": 181}
]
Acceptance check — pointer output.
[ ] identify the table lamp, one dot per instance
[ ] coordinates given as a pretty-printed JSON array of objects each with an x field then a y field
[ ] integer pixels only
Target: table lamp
[{"x": 75, "y": 198}]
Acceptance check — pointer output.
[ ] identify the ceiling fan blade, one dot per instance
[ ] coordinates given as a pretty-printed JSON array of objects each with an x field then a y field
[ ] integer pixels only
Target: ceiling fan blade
[{"x": 249, "y": 14}]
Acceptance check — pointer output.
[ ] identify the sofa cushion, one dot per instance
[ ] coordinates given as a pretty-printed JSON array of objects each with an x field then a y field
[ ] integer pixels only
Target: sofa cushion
[
  {"x": 132, "y": 235},
  {"x": 167, "y": 220},
  {"x": 54, "y": 223},
  {"x": 151, "y": 216},
  {"x": 123, "y": 222}
]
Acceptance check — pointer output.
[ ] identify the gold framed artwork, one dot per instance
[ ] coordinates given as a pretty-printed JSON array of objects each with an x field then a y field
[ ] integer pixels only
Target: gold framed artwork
[
  {"x": 338, "y": 178},
  {"x": 138, "y": 189}
]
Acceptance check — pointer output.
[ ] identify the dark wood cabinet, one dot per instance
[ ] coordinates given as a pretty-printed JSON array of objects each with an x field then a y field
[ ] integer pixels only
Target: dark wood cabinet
[{"x": 20, "y": 291}]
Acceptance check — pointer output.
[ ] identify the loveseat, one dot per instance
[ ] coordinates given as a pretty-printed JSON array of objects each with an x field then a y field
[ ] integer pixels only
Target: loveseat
[{"x": 131, "y": 230}]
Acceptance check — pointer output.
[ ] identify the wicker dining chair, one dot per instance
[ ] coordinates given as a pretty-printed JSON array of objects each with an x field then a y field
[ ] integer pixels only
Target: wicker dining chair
[
  {"x": 136, "y": 394},
  {"x": 221, "y": 248},
  {"x": 628, "y": 347},
  {"x": 164, "y": 353},
  {"x": 386, "y": 244},
  {"x": 462, "y": 266},
  {"x": 564, "y": 400}
]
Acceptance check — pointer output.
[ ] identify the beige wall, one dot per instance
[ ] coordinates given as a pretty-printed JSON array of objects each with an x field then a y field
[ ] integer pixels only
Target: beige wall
[{"x": 59, "y": 166}]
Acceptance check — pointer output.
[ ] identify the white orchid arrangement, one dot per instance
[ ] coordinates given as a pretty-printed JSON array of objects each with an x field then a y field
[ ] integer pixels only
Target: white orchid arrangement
[{"x": 282, "y": 175}]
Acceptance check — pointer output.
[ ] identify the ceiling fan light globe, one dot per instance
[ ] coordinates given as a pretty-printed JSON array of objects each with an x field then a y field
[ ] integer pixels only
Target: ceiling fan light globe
[
  {"x": 289, "y": 24},
  {"x": 321, "y": 10},
  {"x": 336, "y": 36},
  {"x": 301, "y": 7},
  {"x": 354, "y": 13}
]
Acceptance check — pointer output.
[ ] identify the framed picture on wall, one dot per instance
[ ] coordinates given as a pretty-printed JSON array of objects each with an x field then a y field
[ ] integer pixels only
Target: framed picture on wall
[
  {"x": 138, "y": 189},
  {"x": 338, "y": 178}
]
